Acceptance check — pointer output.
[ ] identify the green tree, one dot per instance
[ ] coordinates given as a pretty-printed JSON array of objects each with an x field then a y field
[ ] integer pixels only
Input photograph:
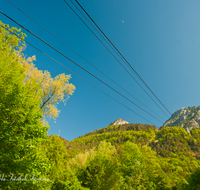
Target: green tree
[
  {"x": 101, "y": 169},
  {"x": 133, "y": 168},
  {"x": 56, "y": 153},
  {"x": 61, "y": 174},
  {"x": 194, "y": 182},
  {"x": 156, "y": 177},
  {"x": 21, "y": 130},
  {"x": 53, "y": 90}
]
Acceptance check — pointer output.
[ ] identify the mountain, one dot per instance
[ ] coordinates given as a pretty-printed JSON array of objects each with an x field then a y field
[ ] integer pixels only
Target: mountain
[
  {"x": 187, "y": 118},
  {"x": 119, "y": 122},
  {"x": 115, "y": 134},
  {"x": 165, "y": 141}
]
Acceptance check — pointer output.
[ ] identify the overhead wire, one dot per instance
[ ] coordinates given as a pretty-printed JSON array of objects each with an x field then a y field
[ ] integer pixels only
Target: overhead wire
[
  {"x": 114, "y": 57},
  {"x": 81, "y": 56},
  {"x": 77, "y": 75},
  {"x": 119, "y": 54},
  {"x": 93, "y": 27},
  {"x": 79, "y": 65}
]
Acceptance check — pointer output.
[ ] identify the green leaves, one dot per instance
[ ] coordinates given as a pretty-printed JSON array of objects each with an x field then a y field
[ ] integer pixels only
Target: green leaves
[
  {"x": 20, "y": 118},
  {"x": 100, "y": 171}
]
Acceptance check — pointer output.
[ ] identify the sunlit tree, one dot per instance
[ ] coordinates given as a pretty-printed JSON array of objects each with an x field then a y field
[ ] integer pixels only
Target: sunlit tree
[
  {"x": 21, "y": 130},
  {"x": 53, "y": 90}
]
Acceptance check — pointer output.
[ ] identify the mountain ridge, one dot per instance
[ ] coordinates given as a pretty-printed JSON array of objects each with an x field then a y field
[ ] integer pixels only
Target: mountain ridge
[{"x": 186, "y": 117}]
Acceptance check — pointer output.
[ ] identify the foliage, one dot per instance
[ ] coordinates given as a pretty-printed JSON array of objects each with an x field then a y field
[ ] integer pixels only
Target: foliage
[
  {"x": 167, "y": 154},
  {"x": 142, "y": 135},
  {"x": 52, "y": 90},
  {"x": 194, "y": 182},
  {"x": 61, "y": 175},
  {"x": 28, "y": 97},
  {"x": 97, "y": 169},
  {"x": 22, "y": 132},
  {"x": 171, "y": 140},
  {"x": 125, "y": 127}
]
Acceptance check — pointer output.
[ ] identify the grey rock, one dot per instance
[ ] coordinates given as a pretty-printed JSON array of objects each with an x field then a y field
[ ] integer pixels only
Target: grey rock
[
  {"x": 119, "y": 122},
  {"x": 187, "y": 118}
]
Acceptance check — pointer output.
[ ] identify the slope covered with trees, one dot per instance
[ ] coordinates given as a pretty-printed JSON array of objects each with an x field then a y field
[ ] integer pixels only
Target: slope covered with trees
[
  {"x": 169, "y": 157},
  {"x": 138, "y": 165}
]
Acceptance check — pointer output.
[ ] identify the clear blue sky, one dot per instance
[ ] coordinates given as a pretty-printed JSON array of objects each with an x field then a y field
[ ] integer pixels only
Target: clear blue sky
[{"x": 160, "y": 39}]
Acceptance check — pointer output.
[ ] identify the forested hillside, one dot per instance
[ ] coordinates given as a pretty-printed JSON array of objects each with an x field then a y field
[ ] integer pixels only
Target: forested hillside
[
  {"x": 168, "y": 158},
  {"x": 166, "y": 141},
  {"x": 170, "y": 152},
  {"x": 118, "y": 157},
  {"x": 116, "y": 135}
]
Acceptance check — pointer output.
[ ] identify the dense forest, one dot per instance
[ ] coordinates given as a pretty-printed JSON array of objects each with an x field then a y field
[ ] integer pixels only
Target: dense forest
[{"x": 119, "y": 157}]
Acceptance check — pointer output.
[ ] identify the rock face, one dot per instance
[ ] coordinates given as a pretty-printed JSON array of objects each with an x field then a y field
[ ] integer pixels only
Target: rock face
[
  {"x": 119, "y": 122},
  {"x": 187, "y": 118}
]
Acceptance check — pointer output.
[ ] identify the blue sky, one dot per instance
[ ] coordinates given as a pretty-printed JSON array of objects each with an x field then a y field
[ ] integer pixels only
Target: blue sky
[{"x": 160, "y": 39}]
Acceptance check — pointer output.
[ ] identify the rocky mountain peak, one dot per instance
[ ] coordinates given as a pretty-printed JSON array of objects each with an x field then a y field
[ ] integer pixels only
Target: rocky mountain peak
[
  {"x": 187, "y": 118},
  {"x": 119, "y": 122}
]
